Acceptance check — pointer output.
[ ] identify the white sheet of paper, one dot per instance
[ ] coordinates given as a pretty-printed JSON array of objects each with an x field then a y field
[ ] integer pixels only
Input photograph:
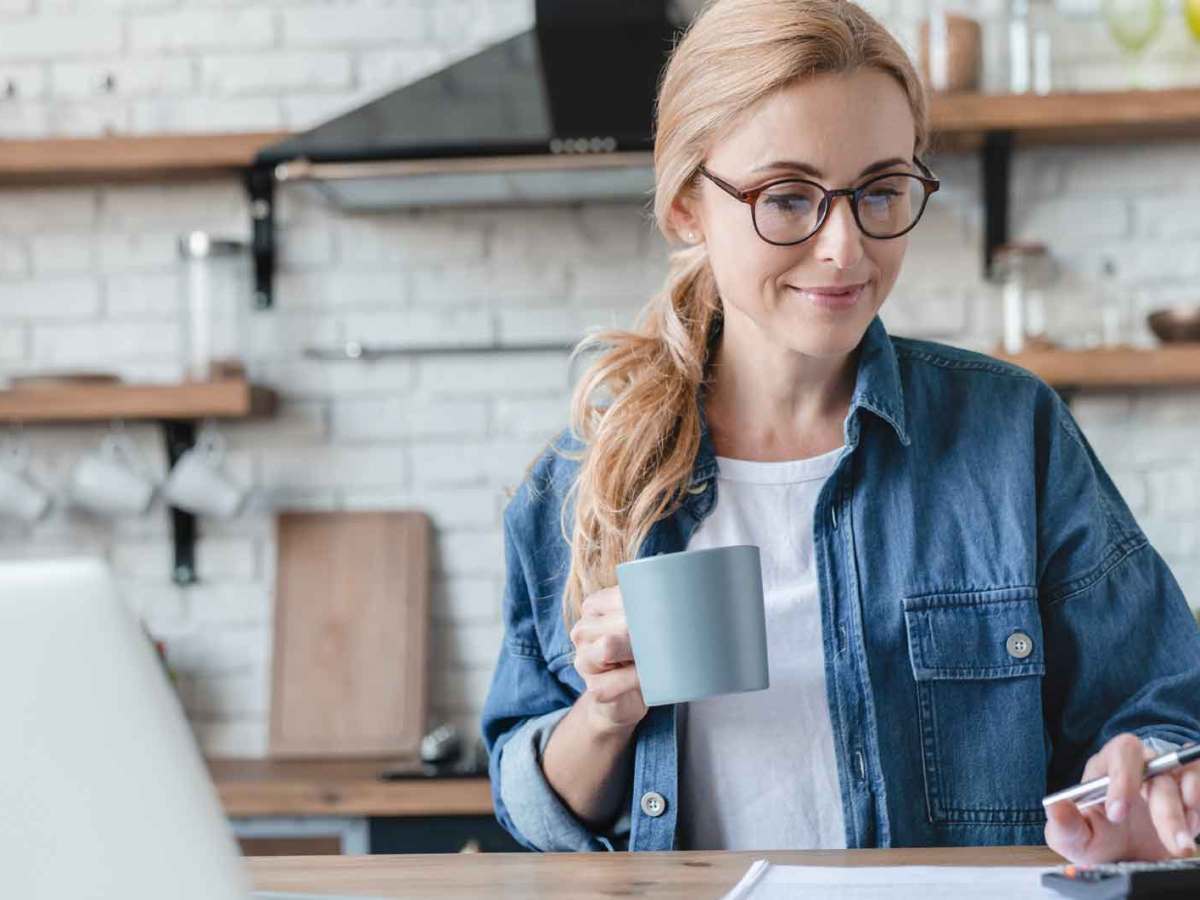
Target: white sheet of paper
[{"x": 765, "y": 881}]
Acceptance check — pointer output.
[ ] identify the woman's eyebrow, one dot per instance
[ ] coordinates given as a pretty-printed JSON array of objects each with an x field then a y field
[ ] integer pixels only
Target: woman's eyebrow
[{"x": 816, "y": 173}]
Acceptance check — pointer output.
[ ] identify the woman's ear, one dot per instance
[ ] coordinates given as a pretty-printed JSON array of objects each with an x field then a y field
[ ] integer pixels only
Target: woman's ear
[{"x": 684, "y": 220}]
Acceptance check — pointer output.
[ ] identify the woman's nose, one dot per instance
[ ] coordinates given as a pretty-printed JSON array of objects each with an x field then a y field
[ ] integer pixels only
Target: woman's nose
[{"x": 839, "y": 238}]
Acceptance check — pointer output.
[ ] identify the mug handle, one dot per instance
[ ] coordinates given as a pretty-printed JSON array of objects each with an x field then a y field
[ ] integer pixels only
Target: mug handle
[
  {"x": 117, "y": 444},
  {"x": 17, "y": 455},
  {"x": 211, "y": 443}
]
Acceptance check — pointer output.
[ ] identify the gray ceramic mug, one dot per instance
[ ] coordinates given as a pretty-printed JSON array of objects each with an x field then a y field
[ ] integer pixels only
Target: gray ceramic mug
[{"x": 696, "y": 621}]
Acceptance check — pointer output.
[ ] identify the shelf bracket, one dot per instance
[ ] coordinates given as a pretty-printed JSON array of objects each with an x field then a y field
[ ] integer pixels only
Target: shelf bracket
[
  {"x": 996, "y": 159},
  {"x": 260, "y": 185},
  {"x": 180, "y": 436}
]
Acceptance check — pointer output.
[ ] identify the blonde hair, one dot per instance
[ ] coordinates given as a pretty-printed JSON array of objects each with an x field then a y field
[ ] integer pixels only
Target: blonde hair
[{"x": 638, "y": 450}]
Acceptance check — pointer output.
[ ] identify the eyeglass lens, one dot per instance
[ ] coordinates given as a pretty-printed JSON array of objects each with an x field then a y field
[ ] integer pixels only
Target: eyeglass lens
[{"x": 792, "y": 210}]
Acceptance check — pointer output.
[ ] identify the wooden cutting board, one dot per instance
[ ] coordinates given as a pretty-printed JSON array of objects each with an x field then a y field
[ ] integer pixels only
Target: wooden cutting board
[{"x": 351, "y": 635}]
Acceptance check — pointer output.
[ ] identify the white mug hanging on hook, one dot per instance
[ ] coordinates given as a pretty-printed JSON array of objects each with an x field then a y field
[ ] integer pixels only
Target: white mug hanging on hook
[
  {"x": 112, "y": 480},
  {"x": 216, "y": 306},
  {"x": 21, "y": 499},
  {"x": 198, "y": 482}
]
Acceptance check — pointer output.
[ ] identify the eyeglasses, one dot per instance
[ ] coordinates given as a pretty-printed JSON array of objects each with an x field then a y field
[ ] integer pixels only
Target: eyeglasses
[{"x": 792, "y": 210}]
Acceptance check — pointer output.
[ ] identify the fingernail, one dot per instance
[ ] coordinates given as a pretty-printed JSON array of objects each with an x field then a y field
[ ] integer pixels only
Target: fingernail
[
  {"x": 1115, "y": 810},
  {"x": 1185, "y": 841}
]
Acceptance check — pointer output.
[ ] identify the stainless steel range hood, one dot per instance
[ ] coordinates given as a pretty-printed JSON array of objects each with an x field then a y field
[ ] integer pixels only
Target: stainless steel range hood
[
  {"x": 562, "y": 112},
  {"x": 395, "y": 184}
]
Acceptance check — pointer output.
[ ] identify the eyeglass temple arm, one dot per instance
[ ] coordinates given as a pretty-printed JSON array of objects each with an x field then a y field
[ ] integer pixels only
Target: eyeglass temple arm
[
  {"x": 725, "y": 185},
  {"x": 927, "y": 172}
]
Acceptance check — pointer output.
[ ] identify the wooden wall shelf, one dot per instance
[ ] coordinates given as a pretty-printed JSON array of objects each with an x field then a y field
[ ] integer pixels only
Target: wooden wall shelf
[
  {"x": 229, "y": 399},
  {"x": 58, "y": 160},
  {"x": 959, "y": 121},
  {"x": 1114, "y": 368}
]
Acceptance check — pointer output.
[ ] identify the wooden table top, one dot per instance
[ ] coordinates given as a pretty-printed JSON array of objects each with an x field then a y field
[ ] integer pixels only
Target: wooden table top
[
  {"x": 683, "y": 874},
  {"x": 265, "y": 787}
]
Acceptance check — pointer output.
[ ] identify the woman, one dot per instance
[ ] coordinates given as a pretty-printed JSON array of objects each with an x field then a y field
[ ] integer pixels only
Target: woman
[{"x": 963, "y": 613}]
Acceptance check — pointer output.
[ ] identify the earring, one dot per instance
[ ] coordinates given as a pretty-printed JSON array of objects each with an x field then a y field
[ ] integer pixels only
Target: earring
[{"x": 691, "y": 235}]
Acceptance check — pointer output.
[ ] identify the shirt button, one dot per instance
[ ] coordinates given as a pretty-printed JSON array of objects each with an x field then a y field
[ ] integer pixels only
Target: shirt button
[
  {"x": 1019, "y": 645},
  {"x": 653, "y": 804}
]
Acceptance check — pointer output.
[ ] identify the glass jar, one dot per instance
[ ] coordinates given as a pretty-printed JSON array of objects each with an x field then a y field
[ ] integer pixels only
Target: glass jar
[
  {"x": 1028, "y": 46},
  {"x": 1020, "y": 47},
  {"x": 216, "y": 306},
  {"x": 1121, "y": 311},
  {"x": 1023, "y": 271},
  {"x": 1044, "y": 21},
  {"x": 996, "y": 22}
]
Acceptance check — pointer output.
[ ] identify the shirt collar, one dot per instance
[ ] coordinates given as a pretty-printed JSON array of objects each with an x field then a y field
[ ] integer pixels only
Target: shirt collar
[{"x": 877, "y": 388}]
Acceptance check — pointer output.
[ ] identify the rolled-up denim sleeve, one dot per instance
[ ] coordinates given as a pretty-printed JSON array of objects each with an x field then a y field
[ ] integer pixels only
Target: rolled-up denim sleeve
[
  {"x": 534, "y": 807},
  {"x": 524, "y": 704},
  {"x": 1122, "y": 646},
  {"x": 1159, "y": 745}
]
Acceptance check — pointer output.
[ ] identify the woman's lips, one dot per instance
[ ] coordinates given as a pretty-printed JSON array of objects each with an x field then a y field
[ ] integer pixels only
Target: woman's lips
[{"x": 832, "y": 299}]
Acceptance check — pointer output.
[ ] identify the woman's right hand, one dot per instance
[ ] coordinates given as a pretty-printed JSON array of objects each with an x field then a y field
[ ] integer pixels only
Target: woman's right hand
[{"x": 604, "y": 660}]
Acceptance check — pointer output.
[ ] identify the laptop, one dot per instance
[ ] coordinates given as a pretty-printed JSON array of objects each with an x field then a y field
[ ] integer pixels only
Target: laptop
[{"x": 103, "y": 790}]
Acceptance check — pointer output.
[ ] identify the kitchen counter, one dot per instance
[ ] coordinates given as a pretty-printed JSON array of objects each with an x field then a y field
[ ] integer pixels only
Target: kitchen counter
[
  {"x": 593, "y": 875},
  {"x": 265, "y": 787}
]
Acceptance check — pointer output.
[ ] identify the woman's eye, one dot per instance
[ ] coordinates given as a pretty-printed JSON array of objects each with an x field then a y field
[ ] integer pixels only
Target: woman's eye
[
  {"x": 789, "y": 202},
  {"x": 881, "y": 197}
]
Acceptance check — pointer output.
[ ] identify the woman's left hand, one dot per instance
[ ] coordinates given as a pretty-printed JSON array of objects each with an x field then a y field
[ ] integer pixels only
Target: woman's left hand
[{"x": 1151, "y": 820}]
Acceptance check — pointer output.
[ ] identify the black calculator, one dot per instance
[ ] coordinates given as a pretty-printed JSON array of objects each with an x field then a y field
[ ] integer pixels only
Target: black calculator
[{"x": 1173, "y": 878}]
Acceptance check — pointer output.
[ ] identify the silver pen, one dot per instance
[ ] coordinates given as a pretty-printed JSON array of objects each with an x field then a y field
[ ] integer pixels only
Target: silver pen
[{"x": 1094, "y": 792}]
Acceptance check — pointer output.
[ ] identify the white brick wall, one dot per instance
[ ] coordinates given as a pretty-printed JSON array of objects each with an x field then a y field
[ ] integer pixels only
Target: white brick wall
[
  {"x": 200, "y": 29},
  {"x": 133, "y": 78},
  {"x": 51, "y": 37},
  {"x": 88, "y": 276}
]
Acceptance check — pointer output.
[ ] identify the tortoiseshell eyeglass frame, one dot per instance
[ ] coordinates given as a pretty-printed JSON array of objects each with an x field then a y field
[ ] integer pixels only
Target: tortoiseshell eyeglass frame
[{"x": 750, "y": 197}]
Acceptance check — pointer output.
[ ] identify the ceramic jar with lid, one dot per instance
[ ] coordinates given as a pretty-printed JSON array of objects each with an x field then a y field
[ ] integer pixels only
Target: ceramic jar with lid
[{"x": 950, "y": 48}]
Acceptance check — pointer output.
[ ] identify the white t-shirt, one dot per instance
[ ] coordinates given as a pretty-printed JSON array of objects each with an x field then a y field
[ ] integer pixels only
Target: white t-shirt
[{"x": 757, "y": 769}]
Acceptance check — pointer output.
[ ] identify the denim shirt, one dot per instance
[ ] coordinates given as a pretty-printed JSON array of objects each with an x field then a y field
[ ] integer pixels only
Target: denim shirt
[{"x": 992, "y": 615}]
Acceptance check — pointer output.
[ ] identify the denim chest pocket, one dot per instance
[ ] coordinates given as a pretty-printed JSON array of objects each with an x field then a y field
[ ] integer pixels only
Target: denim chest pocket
[
  {"x": 560, "y": 661},
  {"x": 554, "y": 643},
  {"x": 560, "y": 657},
  {"x": 978, "y": 660}
]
